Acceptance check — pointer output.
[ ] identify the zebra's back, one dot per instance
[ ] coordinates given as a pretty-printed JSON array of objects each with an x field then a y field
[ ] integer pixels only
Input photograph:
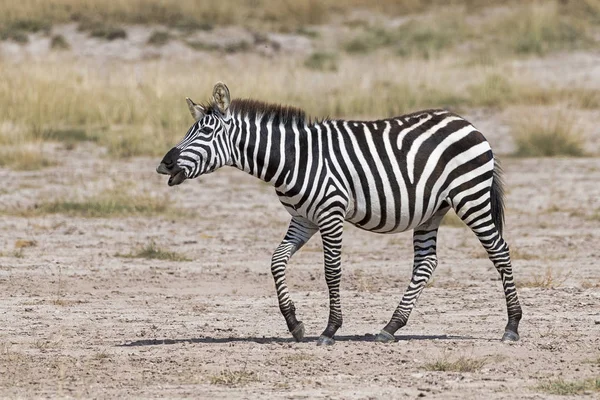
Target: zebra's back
[{"x": 398, "y": 172}]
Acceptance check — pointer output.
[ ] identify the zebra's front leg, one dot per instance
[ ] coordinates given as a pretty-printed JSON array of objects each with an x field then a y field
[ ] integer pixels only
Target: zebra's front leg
[
  {"x": 298, "y": 233},
  {"x": 331, "y": 234},
  {"x": 425, "y": 261}
]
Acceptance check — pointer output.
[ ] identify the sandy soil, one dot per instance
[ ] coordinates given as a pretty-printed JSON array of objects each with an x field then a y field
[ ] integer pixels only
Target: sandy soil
[{"x": 79, "y": 321}]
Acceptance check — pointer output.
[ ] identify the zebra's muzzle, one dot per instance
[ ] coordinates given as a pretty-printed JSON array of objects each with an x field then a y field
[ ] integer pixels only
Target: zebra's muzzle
[
  {"x": 177, "y": 177},
  {"x": 162, "y": 169}
]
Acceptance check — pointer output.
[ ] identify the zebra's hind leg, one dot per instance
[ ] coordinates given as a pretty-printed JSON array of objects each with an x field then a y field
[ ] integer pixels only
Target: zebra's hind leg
[
  {"x": 479, "y": 217},
  {"x": 298, "y": 233},
  {"x": 425, "y": 261}
]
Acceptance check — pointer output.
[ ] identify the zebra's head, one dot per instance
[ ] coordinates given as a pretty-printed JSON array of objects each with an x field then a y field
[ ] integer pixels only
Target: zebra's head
[{"x": 205, "y": 147}]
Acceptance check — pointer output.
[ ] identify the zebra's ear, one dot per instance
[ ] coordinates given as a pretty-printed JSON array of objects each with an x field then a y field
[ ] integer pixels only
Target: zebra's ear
[
  {"x": 221, "y": 97},
  {"x": 196, "y": 110}
]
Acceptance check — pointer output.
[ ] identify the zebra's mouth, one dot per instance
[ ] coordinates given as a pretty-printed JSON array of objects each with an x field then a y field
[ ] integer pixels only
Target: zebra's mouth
[{"x": 177, "y": 177}]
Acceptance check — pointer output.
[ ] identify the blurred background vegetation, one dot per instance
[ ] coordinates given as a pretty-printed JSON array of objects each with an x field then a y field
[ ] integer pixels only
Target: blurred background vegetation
[{"x": 115, "y": 72}]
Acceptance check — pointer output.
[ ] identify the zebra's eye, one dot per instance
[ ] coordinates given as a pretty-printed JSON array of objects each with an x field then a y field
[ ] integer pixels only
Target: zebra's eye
[{"x": 206, "y": 129}]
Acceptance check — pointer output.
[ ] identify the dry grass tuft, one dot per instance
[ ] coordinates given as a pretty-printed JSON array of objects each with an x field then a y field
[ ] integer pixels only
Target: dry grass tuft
[
  {"x": 547, "y": 280},
  {"x": 152, "y": 251},
  {"x": 25, "y": 157},
  {"x": 22, "y": 243},
  {"x": 461, "y": 364},
  {"x": 102, "y": 30},
  {"x": 591, "y": 284},
  {"x": 58, "y": 42},
  {"x": 159, "y": 38},
  {"x": 234, "y": 378},
  {"x": 111, "y": 203},
  {"x": 494, "y": 91},
  {"x": 562, "y": 387},
  {"x": 296, "y": 357},
  {"x": 550, "y": 137}
]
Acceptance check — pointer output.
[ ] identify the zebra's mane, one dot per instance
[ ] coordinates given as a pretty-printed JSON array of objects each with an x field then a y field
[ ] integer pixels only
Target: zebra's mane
[
  {"x": 279, "y": 113},
  {"x": 253, "y": 108}
]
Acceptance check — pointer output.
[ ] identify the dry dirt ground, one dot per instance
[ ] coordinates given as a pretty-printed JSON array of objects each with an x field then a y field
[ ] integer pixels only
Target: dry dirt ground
[{"x": 79, "y": 321}]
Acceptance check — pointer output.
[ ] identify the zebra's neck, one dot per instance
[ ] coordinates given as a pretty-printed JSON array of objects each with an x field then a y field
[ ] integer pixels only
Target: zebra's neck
[{"x": 266, "y": 147}]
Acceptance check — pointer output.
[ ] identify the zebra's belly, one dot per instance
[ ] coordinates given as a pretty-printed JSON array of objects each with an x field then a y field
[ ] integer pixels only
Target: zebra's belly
[{"x": 387, "y": 215}]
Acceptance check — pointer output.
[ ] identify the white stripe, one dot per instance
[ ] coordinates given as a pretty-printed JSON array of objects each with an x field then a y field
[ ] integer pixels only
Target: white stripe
[
  {"x": 268, "y": 148},
  {"x": 411, "y": 128},
  {"x": 416, "y": 145}
]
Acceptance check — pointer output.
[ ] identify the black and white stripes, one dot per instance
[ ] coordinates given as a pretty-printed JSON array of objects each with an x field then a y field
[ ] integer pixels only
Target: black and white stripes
[{"x": 383, "y": 176}]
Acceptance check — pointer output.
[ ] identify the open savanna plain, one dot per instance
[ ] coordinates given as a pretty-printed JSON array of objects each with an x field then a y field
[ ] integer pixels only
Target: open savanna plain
[{"x": 113, "y": 285}]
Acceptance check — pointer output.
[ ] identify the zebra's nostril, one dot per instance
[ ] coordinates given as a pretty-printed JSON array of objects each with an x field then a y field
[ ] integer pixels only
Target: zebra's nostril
[{"x": 170, "y": 158}]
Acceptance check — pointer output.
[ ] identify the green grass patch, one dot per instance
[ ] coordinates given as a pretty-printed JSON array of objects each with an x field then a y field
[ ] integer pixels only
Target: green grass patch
[
  {"x": 159, "y": 38},
  {"x": 562, "y": 387},
  {"x": 422, "y": 37},
  {"x": 58, "y": 42},
  {"x": 557, "y": 136},
  {"x": 202, "y": 46},
  {"x": 14, "y": 35},
  {"x": 237, "y": 47},
  {"x": 112, "y": 203},
  {"x": 102, "y": 30},
  {"x": 153, "y": 252},
  {"x": 17, "y": 30},
  {"x": 65, "y": 135},
  {"x": 369, "y": 40},
  {"x": 428, "y": 39},
  {"x": 322, "y": 61},
  {"x": 190, "y": 25}
]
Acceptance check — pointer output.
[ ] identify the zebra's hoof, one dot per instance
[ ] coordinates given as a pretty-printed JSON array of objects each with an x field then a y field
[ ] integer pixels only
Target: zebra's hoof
[
  {"x": 510, "y": 336},
  {"x": 325, "y": 341},
  {"x": 298, "y": 332},
  {"x": 385, "y": 337}
]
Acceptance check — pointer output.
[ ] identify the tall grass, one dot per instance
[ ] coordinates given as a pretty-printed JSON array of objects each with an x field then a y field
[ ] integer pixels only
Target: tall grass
[
  {"x": 140, "y": 109},
  {"x": 541, "y": 27},
  {"x": 556, "y": 135},
  {"x": 281, "y": 14},
  {"x": 25, "y": 156}
]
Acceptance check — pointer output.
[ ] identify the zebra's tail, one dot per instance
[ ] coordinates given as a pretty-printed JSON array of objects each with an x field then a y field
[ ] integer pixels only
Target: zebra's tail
[{"x": 497, "y": 196}]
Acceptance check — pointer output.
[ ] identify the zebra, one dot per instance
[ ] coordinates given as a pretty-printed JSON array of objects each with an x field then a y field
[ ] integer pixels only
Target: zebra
[{"x": 383, "y": 176}]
